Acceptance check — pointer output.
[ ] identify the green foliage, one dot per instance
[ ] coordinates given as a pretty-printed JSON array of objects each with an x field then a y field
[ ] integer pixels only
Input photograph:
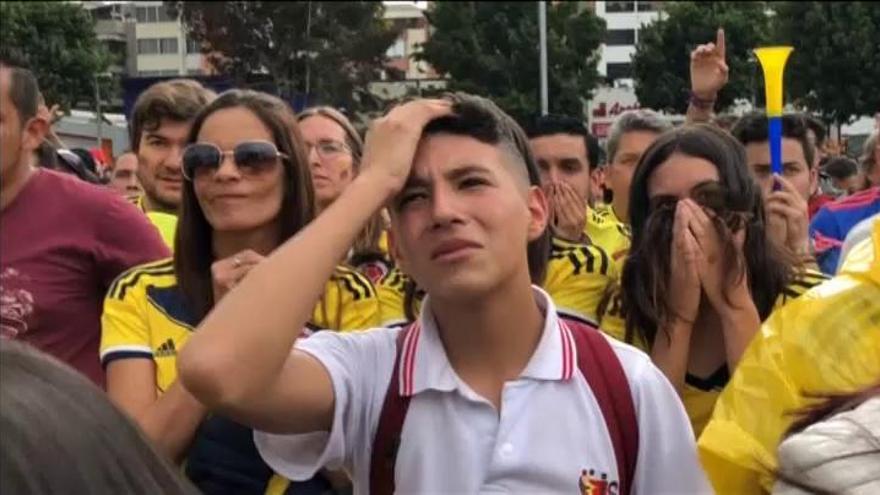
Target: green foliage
[
  {"x": 835, "y": 67},
  {"x": 329, "y": 50},
  {"x": 662, "y": 59},
  {"x": 491, "y": 49},
  {"x": 57, "y": 41}
]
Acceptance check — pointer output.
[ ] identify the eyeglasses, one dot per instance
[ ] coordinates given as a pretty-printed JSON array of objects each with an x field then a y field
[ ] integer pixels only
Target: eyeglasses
[
  {"x": 251, "y": 158},
  {"x": 328, "y": 148}
]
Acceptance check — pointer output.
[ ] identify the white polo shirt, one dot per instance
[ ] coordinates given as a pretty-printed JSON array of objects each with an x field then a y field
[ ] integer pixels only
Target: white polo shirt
[{"x": 550, "y": 436}]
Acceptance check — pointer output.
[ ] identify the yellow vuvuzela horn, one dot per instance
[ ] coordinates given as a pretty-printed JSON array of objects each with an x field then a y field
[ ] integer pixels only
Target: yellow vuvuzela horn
[{"x": 773, "y": 60}]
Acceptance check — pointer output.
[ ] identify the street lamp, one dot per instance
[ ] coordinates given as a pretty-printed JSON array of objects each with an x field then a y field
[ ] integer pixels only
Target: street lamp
[
  {"x": 542, "y": 35},
  {"x": 99, "y": 114}
]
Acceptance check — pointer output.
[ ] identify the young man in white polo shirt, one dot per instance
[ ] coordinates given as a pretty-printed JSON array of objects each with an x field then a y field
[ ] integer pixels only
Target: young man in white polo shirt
[{"x": 487, "y": 390}]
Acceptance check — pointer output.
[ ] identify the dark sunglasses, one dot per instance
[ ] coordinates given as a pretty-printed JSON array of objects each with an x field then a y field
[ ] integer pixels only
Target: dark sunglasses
[{"x": 251, "y": 158}]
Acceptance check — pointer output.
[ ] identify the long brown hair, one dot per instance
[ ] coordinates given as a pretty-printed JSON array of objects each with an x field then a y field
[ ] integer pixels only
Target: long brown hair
[
  {"x": 366, "y": 245},
  {"x": 737, "y": 202},
  {"x": 193, "y": 251}
]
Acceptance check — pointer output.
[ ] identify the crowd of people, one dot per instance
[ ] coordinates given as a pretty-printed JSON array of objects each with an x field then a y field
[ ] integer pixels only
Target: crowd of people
[{"x": 258, "y": 301}]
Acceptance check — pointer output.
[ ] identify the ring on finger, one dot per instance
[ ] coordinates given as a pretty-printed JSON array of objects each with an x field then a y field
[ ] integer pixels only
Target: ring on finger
[{"x": 236, "y": 262}]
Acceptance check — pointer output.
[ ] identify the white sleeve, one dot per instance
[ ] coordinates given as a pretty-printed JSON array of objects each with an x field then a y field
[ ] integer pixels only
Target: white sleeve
[
  {"x": 359, "y": 365},
  {"x": 667, "y": 461}
]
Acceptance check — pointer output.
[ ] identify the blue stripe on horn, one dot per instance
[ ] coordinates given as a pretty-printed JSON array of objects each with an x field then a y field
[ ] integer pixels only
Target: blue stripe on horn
[{"x": 775, "y": 127}]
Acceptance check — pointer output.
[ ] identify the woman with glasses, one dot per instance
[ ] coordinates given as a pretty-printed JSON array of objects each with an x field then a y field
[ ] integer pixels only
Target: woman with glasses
[
  {"x": 701, "y": 274},
  {"x": 247, "y": 190},
  {"x": 333, "y": 150}
]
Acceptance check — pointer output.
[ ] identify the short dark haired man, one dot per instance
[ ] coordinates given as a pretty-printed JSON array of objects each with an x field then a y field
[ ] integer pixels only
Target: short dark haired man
[
  {"x": 786, "y": 195},
  {"x": 159, "y": 128},
  {"x": 63, "y": 241},
  {"x": 567, "y": 157}
]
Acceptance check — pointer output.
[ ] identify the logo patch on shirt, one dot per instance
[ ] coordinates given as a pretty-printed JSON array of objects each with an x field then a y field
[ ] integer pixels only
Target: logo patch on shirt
[
  {"x": 595, "y": 483},
  {"x": 167, "y": 349}
]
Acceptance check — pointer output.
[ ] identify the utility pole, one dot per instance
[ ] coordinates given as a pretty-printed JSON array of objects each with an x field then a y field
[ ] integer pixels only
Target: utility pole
[{"x": 542, "y": 30}]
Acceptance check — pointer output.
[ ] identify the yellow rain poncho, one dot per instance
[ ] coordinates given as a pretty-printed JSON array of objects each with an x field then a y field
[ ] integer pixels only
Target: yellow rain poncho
[{"x": 828, "y": 341}]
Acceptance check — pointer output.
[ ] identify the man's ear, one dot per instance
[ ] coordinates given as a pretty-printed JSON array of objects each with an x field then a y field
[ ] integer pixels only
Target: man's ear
[
  {"x": 33, "y": 133},
  {"x": 539, "y": 212},
  {"x": 814, "y": 179},
  {"x": 394, "y": 249}
]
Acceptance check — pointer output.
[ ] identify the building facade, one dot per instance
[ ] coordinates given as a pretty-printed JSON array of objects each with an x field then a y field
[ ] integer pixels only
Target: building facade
[
  {"x": 623, "y": 22},
  {"x": 146, "y": 40}
]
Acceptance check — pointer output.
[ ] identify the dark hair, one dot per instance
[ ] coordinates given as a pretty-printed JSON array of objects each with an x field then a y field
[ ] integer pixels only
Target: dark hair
[
  {"x": 480, "y": 119},
  {"x": 24, "y": 91},
  {"x": 61, "y": 434},
  {"x": 548, "y": 125},
  {"x": 179, "y": 100},
  {"x": 840, "y": 167},
  {"x": 817, "y": 127},
  {"x": 753, "y": 128},
  {"x": 737, "y": 202},
  {"x": 193, "y": 252}
]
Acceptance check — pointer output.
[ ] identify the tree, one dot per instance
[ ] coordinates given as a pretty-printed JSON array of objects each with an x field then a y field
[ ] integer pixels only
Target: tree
[
  {"x": 57, "y": 41},
  {"x": 661, "y": 61},
  {"x": 835, "y": 66},
  {"x": 491, "y": 49},
  {"x": 328, "y": 51}
]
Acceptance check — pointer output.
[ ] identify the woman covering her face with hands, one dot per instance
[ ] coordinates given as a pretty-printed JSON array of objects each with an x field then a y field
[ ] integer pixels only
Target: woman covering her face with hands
[
  {"x": 701, "y": 275},
  {"x": 247, "y": 190}
]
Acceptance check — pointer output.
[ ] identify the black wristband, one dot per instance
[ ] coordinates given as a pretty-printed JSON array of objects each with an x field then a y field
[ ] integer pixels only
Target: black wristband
[{"x": 701, "y": 103}]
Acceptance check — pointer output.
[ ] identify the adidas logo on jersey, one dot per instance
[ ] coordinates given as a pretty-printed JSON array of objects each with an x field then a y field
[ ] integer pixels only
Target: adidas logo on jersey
[{"x": 167, "y": 349}]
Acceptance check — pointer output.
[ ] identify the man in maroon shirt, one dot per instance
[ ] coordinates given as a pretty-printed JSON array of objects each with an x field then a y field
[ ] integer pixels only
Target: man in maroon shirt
[{"x": 62, "y": 241}]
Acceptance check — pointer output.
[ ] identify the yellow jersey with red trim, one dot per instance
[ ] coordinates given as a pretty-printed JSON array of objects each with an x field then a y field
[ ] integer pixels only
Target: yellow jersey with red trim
[
  {"x": 577, "y": 277},
  {"x": 700, "y": 394},
  {"x": 146, "y": 317}
]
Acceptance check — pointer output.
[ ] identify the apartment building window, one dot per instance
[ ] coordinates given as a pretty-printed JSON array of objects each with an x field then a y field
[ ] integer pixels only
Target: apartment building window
[
  {"x": 620, "y": 6},
  {"x": 148, "y": 46},
  {"x": 618, "y": 70},
  {"x": 193, "y": 46},
  {"x": 157, "y": 46},
  {"x": 157, "y": 13},
  {"x": 168, "y": 45},
  {"x": 620, "y": 37},
  {"x": 646, "y": 6}
]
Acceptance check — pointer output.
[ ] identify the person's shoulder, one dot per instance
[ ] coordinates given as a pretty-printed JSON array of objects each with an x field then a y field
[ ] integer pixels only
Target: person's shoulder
[
  {"x": 352, "y": 282},
  {"x": 804, "y": 281},
  {"x": 860, "y": 200},
  {"x": 579, "y": 258},
  {"x": 156, "y": 274}
]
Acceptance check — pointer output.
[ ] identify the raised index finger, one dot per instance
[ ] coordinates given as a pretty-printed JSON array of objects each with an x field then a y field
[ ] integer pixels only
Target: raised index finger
[{"x": 720, "y": 43}]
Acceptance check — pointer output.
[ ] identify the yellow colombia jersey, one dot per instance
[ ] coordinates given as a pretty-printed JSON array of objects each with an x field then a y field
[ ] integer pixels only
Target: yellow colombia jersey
[
  {"x": 828, "y": 341},
  {"x": 605, "y": 230},
  {"x": 165, "y": 223},
  {"x": 576, "y": 278},
  {"x": 700, "y": 394},
  {"x": 145, "y": 316}
]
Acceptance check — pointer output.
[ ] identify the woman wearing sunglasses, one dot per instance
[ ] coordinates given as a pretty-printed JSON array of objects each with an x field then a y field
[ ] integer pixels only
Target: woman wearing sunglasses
[
  {"x": 701, "y": 274},
  {"x": 247, "y": 190},
  {"x": 334, "y": 150}
]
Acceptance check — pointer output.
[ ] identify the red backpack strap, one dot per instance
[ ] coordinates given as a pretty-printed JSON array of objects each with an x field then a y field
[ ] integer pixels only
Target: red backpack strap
[
  {"x": 387, "y": 440},
  {"x": 604, "y": 373}
]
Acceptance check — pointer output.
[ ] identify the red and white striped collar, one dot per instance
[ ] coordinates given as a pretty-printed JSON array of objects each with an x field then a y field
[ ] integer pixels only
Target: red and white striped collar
[{"x": 424, "y": 365}]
